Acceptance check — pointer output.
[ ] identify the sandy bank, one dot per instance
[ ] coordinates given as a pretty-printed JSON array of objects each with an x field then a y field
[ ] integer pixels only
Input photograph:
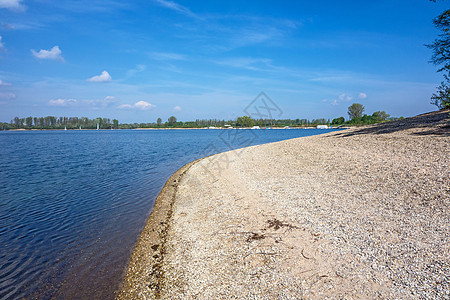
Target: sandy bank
[{"x": 362, "y": 213}]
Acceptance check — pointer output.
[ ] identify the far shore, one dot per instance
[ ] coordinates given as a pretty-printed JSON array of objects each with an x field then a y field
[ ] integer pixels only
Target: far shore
[
  {"x": 175, "y": 128},
  {"x": 361, "y": 213}
]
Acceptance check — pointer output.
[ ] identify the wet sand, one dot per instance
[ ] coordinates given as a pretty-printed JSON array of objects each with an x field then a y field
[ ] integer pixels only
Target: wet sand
[{"x": 360, "y": 213}]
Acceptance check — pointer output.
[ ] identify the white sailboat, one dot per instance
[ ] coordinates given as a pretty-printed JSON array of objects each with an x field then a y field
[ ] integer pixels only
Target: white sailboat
[
  {"x": 97, "y": 126},
  {"x": 65, "y": 128}
]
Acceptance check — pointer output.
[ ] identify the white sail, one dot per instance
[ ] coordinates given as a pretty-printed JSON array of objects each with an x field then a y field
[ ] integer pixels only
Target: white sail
[{"x": 97, "y": 126}]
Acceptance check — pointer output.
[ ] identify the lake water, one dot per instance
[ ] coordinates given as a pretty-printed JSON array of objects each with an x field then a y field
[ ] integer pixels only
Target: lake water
[{"x": 73, "y": 203}]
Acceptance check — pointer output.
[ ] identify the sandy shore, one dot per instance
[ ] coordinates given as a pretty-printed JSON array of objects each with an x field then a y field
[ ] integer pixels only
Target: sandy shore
[{"x": 361, "y": 213}]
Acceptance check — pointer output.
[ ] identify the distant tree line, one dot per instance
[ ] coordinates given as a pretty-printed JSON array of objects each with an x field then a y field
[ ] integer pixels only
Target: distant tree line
[
  {"x": 357, "y": 117},
  {"x": 244, "y": 121},
  {"x": 355, "y": 112},
  {"x": 51, "y": 122}
]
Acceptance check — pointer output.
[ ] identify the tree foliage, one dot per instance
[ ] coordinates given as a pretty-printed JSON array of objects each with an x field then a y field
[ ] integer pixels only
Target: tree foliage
[
  {"x": 441, "y": 45},
  {"x": 172, "y": 120},
  {"x": 441, "y": 56},
  {"x": 355, "y": 111},
  {"x": 245, "y": 121},
  {"x": 51, "y": 122},
  {"x": 442, "y": 96},
  {"x": 338, "y": 121},
  {"x": 380, "y": 116}
]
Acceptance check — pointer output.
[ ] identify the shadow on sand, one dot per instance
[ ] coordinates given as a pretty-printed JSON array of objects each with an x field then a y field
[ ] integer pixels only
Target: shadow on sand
[{"x": 434, "y": 123}]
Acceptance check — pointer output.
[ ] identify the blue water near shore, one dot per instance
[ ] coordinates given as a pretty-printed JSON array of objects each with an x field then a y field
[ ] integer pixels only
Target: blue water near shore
[{"x": 73, "y": 203}]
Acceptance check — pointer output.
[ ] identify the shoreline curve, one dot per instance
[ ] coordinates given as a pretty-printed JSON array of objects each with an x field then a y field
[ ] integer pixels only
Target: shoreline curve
[
  {"x": 362, "y": 213},
  {"x": 153, "y": 237}
]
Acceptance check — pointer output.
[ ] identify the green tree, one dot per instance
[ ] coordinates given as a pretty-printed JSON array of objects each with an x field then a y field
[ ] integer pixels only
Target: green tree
[
  {"x": 380, "y": 116},
  {"x": 245, "y": 121},
  {"x": 442, "y": 97},
  {"x": 16, "y": 122},
  {"x": 441, "y": 56},
  {"x": 338, "y": 121},
  {"x": 115, "y": 123},
  {"x": 355, "y": 111},
  {"x": 29, "y": 121},
  {"x": 172, "y": 120},
  {"x": 158, "y": 122}
]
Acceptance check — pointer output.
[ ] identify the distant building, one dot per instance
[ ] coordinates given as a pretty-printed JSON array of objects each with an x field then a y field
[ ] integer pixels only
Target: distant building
[{"x": 322, "y": 127}]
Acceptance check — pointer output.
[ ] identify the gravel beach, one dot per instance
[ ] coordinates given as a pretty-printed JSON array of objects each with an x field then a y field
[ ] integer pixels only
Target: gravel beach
[{"x": 359, "y": 213}]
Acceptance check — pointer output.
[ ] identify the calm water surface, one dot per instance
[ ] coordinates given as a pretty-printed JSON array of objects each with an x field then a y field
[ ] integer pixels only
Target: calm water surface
[{"x": 72, "y": 203}]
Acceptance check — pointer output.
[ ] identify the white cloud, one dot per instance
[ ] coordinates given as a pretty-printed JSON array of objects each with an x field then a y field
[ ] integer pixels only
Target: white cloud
[
  {"x": 142, "y": 105},
  {"x": 7, "y": 96},
  {"x": 345, "y": 98},
  {"x": 137, "y": 69},
  {"x": 104, "y": 77},
  {"x": 54, "y": 53},
  {"x": 254, "y": 64},
  {"x": 11, "y": 4},
  {"x": 167, "y": 56},
  {"x": 94, "y": 104},
  {"x": 177, "y": 108},
  {"x": 362, "y": 96},
  {"x": 1, "y": 43},
  {"x": 177, "y": 7},
  {"x": 2, "y": 83},
  {"x": 62, "y": 102},
  {"x": 342, "y": 98},
  {"x": 100, "y": 104}
]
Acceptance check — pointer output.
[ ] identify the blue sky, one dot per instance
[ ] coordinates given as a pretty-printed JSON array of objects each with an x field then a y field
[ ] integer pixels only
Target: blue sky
[{"x": 140, "y": 60}]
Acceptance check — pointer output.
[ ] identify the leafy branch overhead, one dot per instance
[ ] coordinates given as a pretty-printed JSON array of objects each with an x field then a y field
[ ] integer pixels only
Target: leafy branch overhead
[{"x": 441, "y": 57}]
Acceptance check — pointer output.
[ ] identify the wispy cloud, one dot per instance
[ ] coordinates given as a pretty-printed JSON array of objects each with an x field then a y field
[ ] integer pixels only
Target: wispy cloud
[
  {"x": 177, "y": 108},
  {"x": 250, "y": 36},
  {"x": 1, "y": 43},
  {"x": 249, "y": 63},
  {"x": 54, "y": 54},
  {"x": 2, "y": 83},
  {"x": 7, "y": 96},
  {"x": 93, "y": 104},
  {"x": 345, "y": 98},
  {"x": 104, "y": 77},
  {"x": 167, "y": 56},
  {"x": 83, "y": 6},
  {"x": 15, "y": 5},
  {"x": 97, "y": 104},
  {"x": 62, "y": 102},
  {"x": 177, "y": 7},
  {"x": 142, "y": 105},
  {"x": 137, "y": 69}
]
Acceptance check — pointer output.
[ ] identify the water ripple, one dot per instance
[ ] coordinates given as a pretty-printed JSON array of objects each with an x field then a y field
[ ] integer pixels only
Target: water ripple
[{"x": 72, "y": 203}]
